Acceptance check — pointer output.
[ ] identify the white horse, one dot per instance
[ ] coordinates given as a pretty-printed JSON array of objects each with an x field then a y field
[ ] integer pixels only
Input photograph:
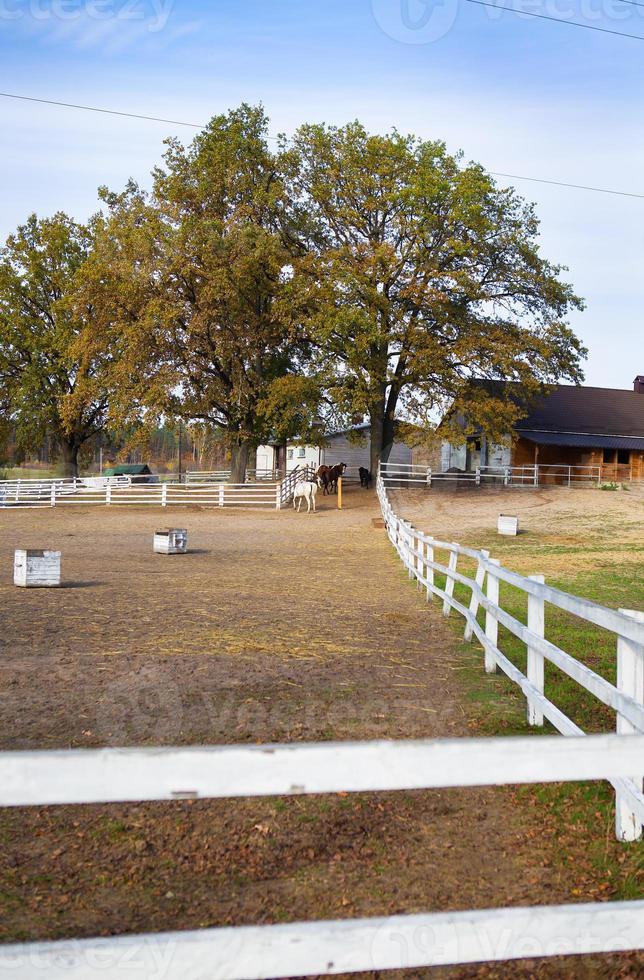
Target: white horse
[{"x": 305, "y": 489}]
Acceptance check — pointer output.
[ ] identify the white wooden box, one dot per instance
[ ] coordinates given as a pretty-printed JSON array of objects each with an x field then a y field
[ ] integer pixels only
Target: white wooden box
[
  {"x": 35, "y": 569},
  {"x": 508, "y": 524},
  {"x": 174, "y": 541}
]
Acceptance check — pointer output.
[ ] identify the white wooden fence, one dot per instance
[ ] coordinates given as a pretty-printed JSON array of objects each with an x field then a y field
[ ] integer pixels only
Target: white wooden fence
[
  {"x": 414, "y": 475},
  {"x": 331, "y": 947},
  {"x": 223, "y": 476},
  {"x": 115, "y": 491},
  {"x": 418, "y": 553}
]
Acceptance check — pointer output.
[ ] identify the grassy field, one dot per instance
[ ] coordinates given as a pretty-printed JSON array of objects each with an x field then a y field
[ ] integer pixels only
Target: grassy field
[{"x": 589, "y": 543}]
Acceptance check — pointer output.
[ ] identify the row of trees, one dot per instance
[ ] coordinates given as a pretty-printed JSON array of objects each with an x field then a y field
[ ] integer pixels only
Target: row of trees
[{"x": 257, "y": 288}]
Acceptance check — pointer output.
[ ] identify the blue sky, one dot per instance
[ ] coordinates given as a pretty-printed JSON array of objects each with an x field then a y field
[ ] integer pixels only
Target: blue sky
[{"x": 520, "y": 95}]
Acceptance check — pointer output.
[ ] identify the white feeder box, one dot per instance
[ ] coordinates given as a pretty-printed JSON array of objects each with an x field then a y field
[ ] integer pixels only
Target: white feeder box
[
  {"x": 508, "y": 524},
  {"x": 174, "y": 541},
  {"x": 34, "y": 569}
]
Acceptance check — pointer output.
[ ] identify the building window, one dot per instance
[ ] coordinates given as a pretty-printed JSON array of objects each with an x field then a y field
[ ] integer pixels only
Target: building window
[
  {"x": 289, "y": 454},
  {"x": 301, "y": 452},
  {"x": 623, "y": 457},
  {"x": 609, "y": 456}
]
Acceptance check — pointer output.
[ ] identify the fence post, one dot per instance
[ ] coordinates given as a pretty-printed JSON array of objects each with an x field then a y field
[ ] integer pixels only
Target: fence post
[
  {"x": 630, "y": 680},
  {"x": 477, "y": 477},
  {"x": 491, "y": 621},
  {"x": 53, "y": 495},
  {"x": 536, "y": 474},
  {"x": 535, "y": 671},
  {"x": 429, "y": 551},
  {"x": 164, "y": 494},
  {"x": 420, "y": 561},
  {"x": 278, "y": 497},
  {"x": 474, "y": 601},
  {"x": 408, "y": 546},
  {"x": 506, "y": 476},
  {"x": 429, "y": 476},
  {"x": 449, "y": 585},
  {"x": 221, "y": 495},
  {"x": 108, "y": 494}
]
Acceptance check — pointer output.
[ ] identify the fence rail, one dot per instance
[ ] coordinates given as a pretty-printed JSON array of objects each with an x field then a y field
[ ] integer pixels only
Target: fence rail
[
  {"x": 326, "y": 947},
  {"x": 223, "y": 476},
  {"x": 121, "y": 491},
  {"x": 413, "y": 475}
]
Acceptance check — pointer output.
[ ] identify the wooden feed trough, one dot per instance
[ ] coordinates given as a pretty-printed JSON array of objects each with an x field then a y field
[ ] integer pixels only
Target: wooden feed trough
[
  {"x": 174, "y": 541},
  {"x": 508, "y": 524},
  {"x": 35, "y": 569}
]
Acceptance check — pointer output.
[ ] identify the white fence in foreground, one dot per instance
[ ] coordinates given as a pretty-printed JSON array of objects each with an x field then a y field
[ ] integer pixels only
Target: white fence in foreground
[
  {"x": 331, "y": 947},
  {"x": 418, "y": 553},
  {"x": 542, "y": 474}
]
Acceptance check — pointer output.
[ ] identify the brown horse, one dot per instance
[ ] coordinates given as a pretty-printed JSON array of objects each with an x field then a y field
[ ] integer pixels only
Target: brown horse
[
  {"x": 323, "y": 477},
  {"x": 328, "y": 476},
  {"x": 336, "y": 472}
]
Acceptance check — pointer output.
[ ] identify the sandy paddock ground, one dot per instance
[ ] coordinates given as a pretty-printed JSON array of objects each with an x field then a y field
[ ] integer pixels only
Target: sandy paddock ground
[{"x": 276, "y": 626}]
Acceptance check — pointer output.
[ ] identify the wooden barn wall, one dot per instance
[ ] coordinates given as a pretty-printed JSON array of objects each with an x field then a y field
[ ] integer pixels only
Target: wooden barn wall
[
  {"x": 523, "y": 454},
  {"x": 341, "y": 449}
]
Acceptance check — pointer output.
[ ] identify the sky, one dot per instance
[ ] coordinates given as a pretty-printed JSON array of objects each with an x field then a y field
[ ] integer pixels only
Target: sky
[{"x": 520, "y": 95}]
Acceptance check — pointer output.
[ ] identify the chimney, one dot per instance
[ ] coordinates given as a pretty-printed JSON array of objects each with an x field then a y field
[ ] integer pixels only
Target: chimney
[{"x": 638, "y": 384}]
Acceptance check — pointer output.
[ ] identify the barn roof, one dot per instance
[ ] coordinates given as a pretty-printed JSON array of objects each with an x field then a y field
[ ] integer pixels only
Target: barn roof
[
  {"x": 575, "y": 413},
  {"x": 582, "y": 439},
  {"x": 587, "y": 410}
]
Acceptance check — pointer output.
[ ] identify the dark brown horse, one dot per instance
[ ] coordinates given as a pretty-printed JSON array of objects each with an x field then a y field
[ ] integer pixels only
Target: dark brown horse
[
  {"x": 337, "y": 471},
  {"x": 328, "y": 476}
]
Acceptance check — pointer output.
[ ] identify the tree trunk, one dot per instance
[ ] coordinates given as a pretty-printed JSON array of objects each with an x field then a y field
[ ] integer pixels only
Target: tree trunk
[
  {"x": 240, "y": 451},
  {"x": 377, "y": 419},
  {"x": 381, "y": 416},
  {"x": 69, "y": 452}
]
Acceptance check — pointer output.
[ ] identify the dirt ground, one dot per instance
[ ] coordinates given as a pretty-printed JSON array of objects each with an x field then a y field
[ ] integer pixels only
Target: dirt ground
[
  {"x": 275, "y": 627},
  {"x": 552, "y": 516}
]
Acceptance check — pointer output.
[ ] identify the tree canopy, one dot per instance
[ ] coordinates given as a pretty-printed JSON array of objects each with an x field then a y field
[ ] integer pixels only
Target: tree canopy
[
  {"x": 425, "y": 274},
  {"x": 55, "y": 361},
  {"x": 254, "y": 284},
  {"x": 205, "y": 303}
]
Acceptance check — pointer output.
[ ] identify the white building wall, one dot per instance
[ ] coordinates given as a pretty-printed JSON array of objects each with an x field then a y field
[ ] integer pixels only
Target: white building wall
[{"x": 302, "y": 456}]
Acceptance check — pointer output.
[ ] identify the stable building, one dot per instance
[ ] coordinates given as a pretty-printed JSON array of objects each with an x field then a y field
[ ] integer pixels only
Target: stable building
[
  {"x": 351, "y": 446},
  {"x": 571, "y": 426}
]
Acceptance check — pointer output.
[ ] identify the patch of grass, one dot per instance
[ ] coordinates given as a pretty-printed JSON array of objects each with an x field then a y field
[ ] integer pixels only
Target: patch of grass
[{"x": 610, "y": 573}]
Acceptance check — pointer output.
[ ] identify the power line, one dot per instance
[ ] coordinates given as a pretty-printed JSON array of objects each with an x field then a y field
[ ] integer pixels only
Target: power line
[
  {"x": 560, "y": 20},
  {"x": 108, "y": 112},
  {"x": 177, "y": 122},
  {"x": 561, "y": 183}
]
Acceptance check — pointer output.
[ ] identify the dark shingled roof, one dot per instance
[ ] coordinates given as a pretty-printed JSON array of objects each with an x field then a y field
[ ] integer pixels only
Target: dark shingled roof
[{"x": 590, "y": 411}]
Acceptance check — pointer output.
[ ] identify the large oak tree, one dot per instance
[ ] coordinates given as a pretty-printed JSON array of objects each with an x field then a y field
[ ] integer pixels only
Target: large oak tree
[
  {"x": 423, "y": 274},
  {"x": 55, "y": 362},
  {"x": 199, "y": 275}
]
